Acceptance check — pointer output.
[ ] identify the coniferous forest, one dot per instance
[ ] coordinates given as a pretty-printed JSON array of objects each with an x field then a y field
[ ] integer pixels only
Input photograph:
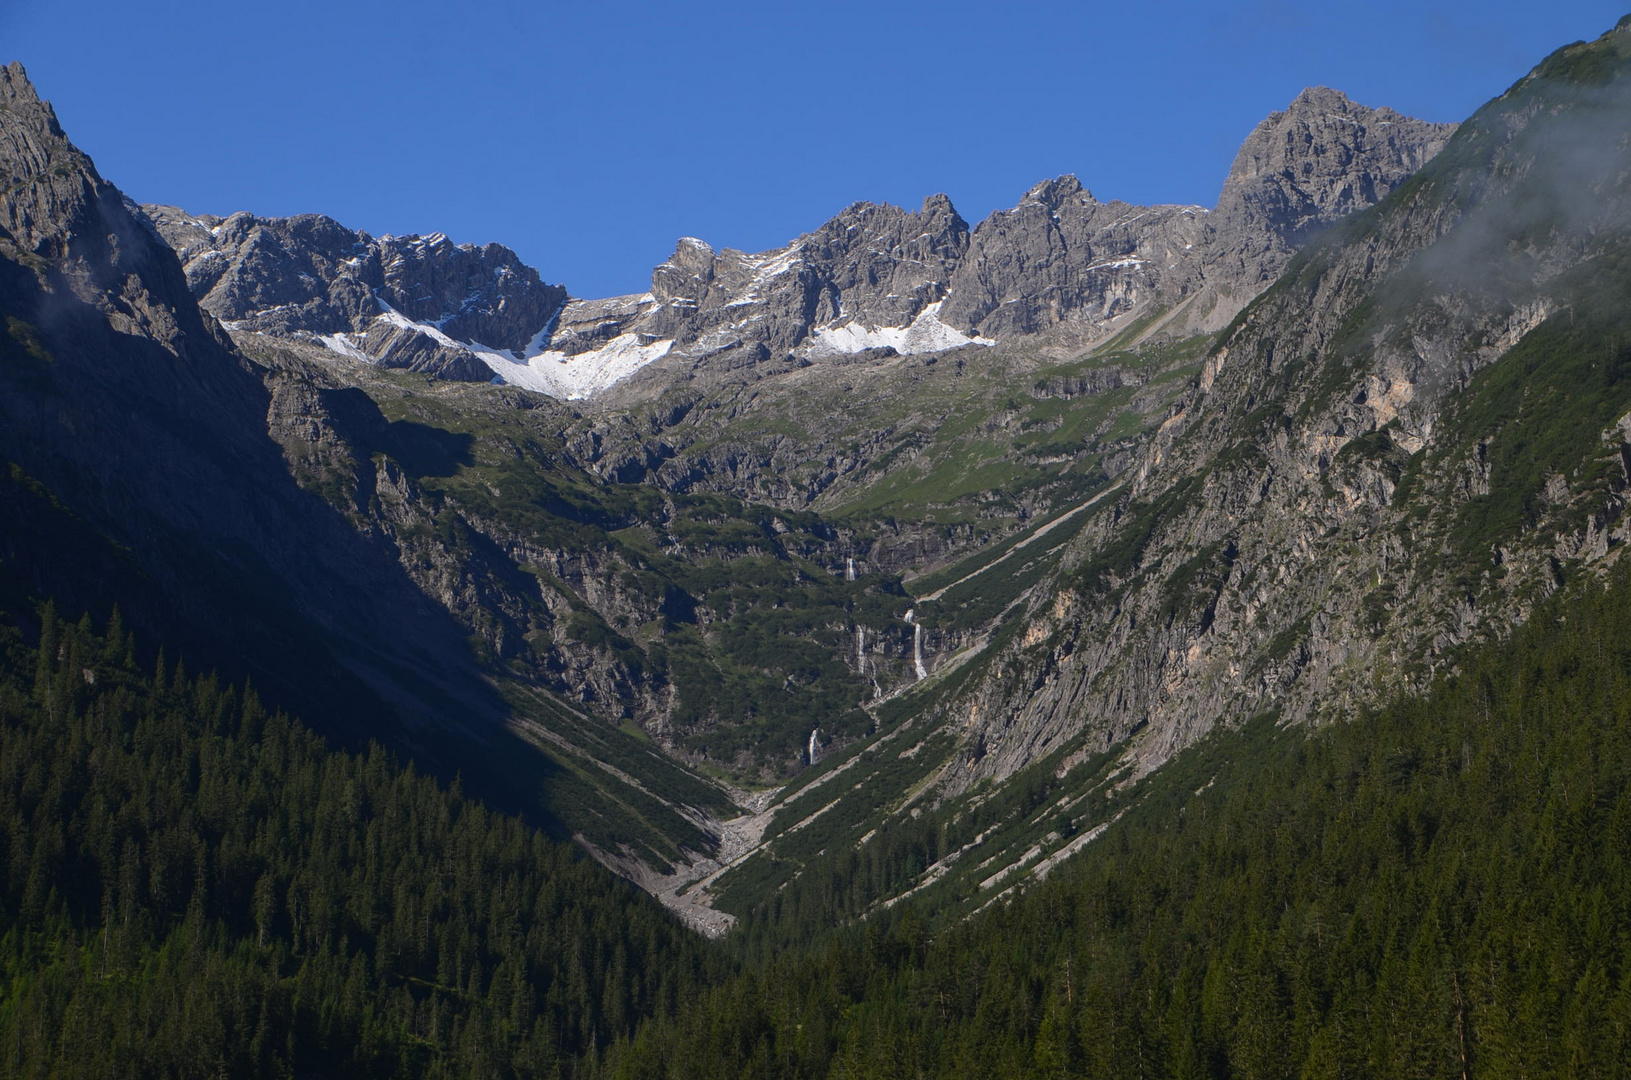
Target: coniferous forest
[
  {"x": 1299, "y": 750},
  {"x": 197, "y": 886},
  {"x": 1435, "y": 889}
]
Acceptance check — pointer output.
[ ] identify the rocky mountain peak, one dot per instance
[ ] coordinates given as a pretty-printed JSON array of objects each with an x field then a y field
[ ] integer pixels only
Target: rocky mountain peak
[
  {"x": 687, "y": 273},
  {"x": 1322, "y": 158},
  {"x": 36, "y": 159},
  {"x": 60, "y": 218},
  {"x": 1322, "y": 99},
  {"x": 865, "y": 281},
  {"x": 1062, "y": 257},
  {"x": 413, "y": 301},
  {"x": 17, "y": 91},
  {"x": 1054, "y": 193},
  {"x": 872, "y": 280}
]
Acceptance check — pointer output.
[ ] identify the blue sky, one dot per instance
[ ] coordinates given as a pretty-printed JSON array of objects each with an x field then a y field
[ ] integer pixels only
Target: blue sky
[{"x": 589, "y": 136}]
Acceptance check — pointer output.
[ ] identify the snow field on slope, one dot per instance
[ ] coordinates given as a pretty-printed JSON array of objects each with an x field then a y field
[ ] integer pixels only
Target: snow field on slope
[{"x": 926, "y": 334}]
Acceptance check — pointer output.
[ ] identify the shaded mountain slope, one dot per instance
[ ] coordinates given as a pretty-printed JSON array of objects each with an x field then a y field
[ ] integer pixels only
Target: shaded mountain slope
[{"x": 136, "y": 433}]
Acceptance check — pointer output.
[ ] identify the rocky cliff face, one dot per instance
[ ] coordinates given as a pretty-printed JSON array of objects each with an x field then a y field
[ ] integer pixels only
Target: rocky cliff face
[
  {"x": 1409, "y": 439},
  {"x": 262, "y": 518},
  {"x": 1063, "y": 256},
  {"x": 1301, "y": 171},
  {"x": 870, "y": 266},
  {"x": 414, "y": 302},
  {"x": 870, "y": 281},
  {"x": 875, "y": 281}
]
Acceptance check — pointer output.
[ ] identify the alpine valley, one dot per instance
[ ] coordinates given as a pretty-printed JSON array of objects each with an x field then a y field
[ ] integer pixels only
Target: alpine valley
[{"x": 1104, "y": 640}]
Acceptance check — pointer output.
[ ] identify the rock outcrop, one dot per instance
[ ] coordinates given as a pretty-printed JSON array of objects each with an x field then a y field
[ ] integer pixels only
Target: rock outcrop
[
  {"x": 414, "y": 302},
  {"x": 1377, "y": 465},
  {"x": 1302, "y": 170},
  {"x": 872, "y": 278},
  {"x": 1063, "y": 256}
]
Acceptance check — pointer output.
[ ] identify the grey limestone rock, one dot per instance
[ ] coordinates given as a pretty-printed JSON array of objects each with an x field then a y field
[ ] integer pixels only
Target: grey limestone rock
[
  {"x": 1300, "y": 170},
  {"x": 1060, "y": 258},
  {"x": 873, "y": 265},
  {"x": 1061, "y": 254},
  {"x": 309, "y": 275}
]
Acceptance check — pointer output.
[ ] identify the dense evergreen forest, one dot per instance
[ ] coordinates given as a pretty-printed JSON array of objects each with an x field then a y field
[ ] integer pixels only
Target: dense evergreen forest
[
  {"x": 196, "y": 886},
  {"x": 191, "y": 885}
]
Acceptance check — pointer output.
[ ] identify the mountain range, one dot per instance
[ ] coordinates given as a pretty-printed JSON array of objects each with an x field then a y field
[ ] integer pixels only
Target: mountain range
[
  {"x": 874, "y": 280},
  {"x": 821, "y": 550}
]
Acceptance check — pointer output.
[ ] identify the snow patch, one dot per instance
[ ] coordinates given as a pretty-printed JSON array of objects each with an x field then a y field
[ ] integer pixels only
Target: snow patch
[
  {"x": 926, "y": 334},
  {"x": 341, "y": 343},
  {"x": 558, "y": 374},
  {"x": 574, "y": 377},
  {"x": 1117, "y": 264}
]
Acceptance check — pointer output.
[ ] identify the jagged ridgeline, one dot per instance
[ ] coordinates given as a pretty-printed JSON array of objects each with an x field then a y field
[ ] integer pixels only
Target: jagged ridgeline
[{"x": 871, "y": 567}]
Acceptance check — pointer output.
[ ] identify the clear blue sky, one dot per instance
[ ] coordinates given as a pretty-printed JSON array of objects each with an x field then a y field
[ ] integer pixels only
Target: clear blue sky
[{"x": 589, "y": 135}]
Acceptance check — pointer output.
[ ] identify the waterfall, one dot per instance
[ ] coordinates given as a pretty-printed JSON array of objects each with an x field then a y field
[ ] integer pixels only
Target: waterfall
[
  {"x": 860, "y": 650},
  {"x": 849, "y": 569},
  {"x": 917, "y": 643},
  {"x": 813, "y": 733}
]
